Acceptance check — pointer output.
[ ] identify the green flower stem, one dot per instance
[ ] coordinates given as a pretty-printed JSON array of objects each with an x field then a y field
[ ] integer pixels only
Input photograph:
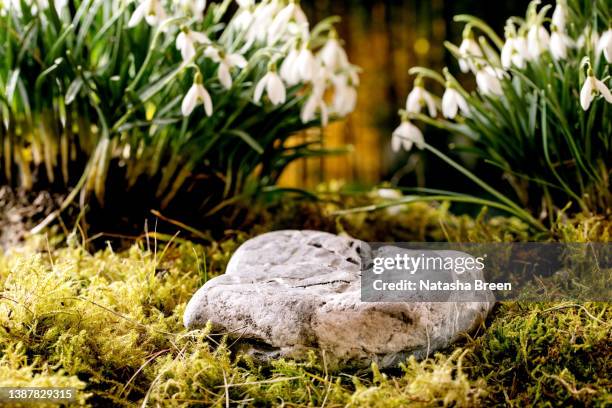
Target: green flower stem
[
  {"x": 481, "y": 25},
  {"x": 520, "y": 212}
]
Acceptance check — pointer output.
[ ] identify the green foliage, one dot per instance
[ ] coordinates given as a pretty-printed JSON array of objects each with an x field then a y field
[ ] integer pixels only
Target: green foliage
[
  {"x": 89, "y": 101},
  {"x": 526, "y": 118}
]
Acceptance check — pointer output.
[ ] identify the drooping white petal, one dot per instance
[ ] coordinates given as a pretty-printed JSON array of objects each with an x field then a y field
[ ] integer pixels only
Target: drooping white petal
[
  {"x": 288, "y": 69},
  {"x": 204, "y": 96},
  {"x": 586, "y": 93},
  {"x": 276, "y": 89},
  {"x": 449, "y": 104},
  {"x": 333, "y": 55},
  {"x": 559, "y": 44},
  {"x": 419, "y": 97},
  {"x": 309, "y": 109},
  {"x": 559, "y": 16},
  {"x": 237, "y": 60},
  {"x": 224, "y": 75},
  {"x": 189, "y": 101},
  {"x": 259, "y": 89},
  {"x": 488, "y": 81},
  {"x": 603, "y": 90},
  {"x": 306, "y": 64},
  {"x": 199, "y": 37},
  {"x": 506, "y": 53},
  {"x": 538, "y": 40},
  {"x": 469, "y": 50},
  {"x": 406, "y": 135}
]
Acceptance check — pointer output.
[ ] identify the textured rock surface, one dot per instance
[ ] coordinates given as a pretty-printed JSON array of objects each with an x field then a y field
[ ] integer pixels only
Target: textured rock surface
[{"x": 286, "y": 292}]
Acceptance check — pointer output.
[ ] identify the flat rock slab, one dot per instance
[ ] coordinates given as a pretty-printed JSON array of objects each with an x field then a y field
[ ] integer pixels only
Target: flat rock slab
[{"x": 287, "y": 292}]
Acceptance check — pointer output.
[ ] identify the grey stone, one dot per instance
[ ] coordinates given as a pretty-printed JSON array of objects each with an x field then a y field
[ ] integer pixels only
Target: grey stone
[{"x": 287, "y": 292}]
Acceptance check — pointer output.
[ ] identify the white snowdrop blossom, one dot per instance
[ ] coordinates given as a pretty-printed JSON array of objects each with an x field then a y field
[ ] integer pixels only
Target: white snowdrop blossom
[
  {"x": 333, "y": 55},
  {"x": 274, "y": 87},
  {"x": 151, "y": 10},
  {"x": 197, "y": 93},
  {"x": 226, "y": 62},
  {"x": 559, "y": 17},
  {"x": 538, "y": 41},
  {"x": 291, "y": 12},
  {"x": 262, "y": 16},
  {"x": 418, "y": 98},
  {"x": 591, "y": 88},
  {"x": 186, "y": 40},
  {"x": 559, "y": 44},
  {"x": 605, "y": 45},
  {"x": 488, "y": 80},
  {"x": 453, "y": 102},
  {"x": 305, "y": 64},
  {"x": 469, "y": 50},
  {"x": 288, "y": 69},
  {"x": 345, "y": 95},
  {"x": 314, "y": 103},
  {"x": 514, "y": 53},
  {"x": 406, "y": 136}
]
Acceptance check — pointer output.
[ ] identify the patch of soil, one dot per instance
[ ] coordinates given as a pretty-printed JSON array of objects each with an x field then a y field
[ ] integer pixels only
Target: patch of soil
[{"x": 22, "y": 210}]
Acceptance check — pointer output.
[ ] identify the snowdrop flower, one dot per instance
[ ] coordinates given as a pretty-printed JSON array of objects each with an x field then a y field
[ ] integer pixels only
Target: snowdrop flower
[
  {"x": 514, "y": 52},
  {"x": 314, "y": 103},
  {"x": 345, "y": 95},
  {"x": 452, "y": 102},
  {"x": 407, "y": 135},
  {"x": 262, "y": 18},
  {"x": 418, "y": 98},
  {"x": 488, "y": 80},
  {"x": 538, "y": 40},
  {"x": 559, "y": 43},
  {"x": 186, "y": 40},
  {"x": 605, "y": 45},
  {"x": 332, "y": 54},
  {"x": 151, "y": 10},
  {"x": 559, "y": 17},
  {"x": 197, "y": 93},
  {"x": 274, "y": 87},
  {"x": 226, "y": 62},
  {"x": 291, "y": 12},
  {"x": 469, "y": 49},
  {"x": 288, "y": 69},
  {"x": 591, "y": 88},
  {"x": 305, "y": 64}
]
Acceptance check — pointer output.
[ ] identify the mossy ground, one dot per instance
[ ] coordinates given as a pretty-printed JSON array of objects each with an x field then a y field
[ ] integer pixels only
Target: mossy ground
[{"x": 110, "y": 324}]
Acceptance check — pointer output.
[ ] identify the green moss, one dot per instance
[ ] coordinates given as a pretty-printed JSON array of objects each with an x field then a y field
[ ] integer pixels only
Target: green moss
[{"x": 110, "y": 324}]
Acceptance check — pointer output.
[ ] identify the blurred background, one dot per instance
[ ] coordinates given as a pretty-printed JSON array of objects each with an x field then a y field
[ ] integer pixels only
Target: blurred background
[{"x": 386, "y": 38}]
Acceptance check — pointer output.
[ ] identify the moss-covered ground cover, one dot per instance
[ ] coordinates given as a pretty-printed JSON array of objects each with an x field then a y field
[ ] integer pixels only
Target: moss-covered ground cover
[{"x": 110, "y": 324}]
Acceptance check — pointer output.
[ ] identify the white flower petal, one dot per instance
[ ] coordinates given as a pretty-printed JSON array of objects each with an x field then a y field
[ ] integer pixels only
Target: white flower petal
[
  {"x": 586, "y": 94},
  {"x": 259, "y": 89},
  {"x": 224, "y": 75},
  {"x": 189, "y": 101},
  {"x": 206, "y": 100},
  {"x": 276, "y": 89},
  {"x": 603, "y": 90}
]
